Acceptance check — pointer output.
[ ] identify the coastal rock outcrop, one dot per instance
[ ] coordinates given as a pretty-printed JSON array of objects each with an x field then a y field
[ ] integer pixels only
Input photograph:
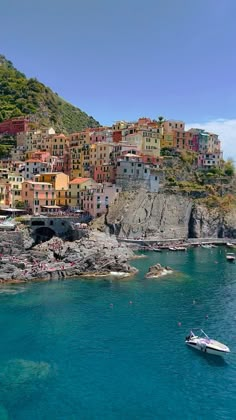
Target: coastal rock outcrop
[
  {"x": 208, "y": 222},
  {"x": 151, "y": 215},
  {"x": 166, "y": 215},
  {"x": 95, "y": 255},
  {"x": 157, "y": 270}
]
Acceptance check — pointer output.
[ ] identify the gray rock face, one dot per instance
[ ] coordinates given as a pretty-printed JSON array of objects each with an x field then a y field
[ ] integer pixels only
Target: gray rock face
[
  {"x": 211, "y": 223},
  {"x": 152, "y": 215},
  {"x": 99, "y": 254},
  {"x": 163, "y": 216}
]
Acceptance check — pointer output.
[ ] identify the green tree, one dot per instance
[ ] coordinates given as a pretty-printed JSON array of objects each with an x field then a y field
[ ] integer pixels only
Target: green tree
[
  {"x": 229, "y": 167},
  {"x": 19, "y": 205}
]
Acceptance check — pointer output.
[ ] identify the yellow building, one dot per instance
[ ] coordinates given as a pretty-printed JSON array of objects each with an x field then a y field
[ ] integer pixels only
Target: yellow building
[
  {"x": 76, "y": 188},
  {"x": 151, "y": 142},
  {"x": 100, "y": 153},
  {"x": 60, "y": 183},
  {"x": 61, "y": 198},
  {"x": 57, "y": 145},
  {"x": 120, "y": 125},
  {"x": 167, "y": 141},
  {"x": 15, "y": 180},
  {"x": 80, "y": 154}
]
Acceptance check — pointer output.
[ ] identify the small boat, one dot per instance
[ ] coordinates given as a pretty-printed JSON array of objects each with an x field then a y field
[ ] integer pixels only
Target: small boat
[
  {"x": 172, "y": 248},
  {"x": 156, "y": 249},
  {"x": 229, "y": 245},
  {"x": 205, "y": 344},
  {"x": 180, "y": 248},
  {"x": 206, "y": 246},
  {"x": 230, "y": 256}
]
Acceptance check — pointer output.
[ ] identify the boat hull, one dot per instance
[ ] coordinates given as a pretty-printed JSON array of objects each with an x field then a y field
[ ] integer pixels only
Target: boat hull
[{"x": 207, "y": 349}]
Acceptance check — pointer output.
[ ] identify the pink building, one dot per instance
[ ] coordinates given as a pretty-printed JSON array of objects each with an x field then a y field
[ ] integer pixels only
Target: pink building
[
  {"x": 209, "y": 160},
  {"x": 38, "y": 196},
  {"x": 43, "y": 156},
  {"x": 104, "y": 173},
  {"x": 101, "y": 135},
  {"x": 192, "y": 140},
  {"x": 97, "y": 200}
]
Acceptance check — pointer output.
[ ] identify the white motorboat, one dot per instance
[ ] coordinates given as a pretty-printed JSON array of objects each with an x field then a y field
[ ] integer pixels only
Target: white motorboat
[
  {"x": 180, "y": 248},
  {"x": 206, "y": 246},
  {"x": 230, "y": 245},
  {"x": 205, "y": 344},
  {"x": 230, "y": 256}
]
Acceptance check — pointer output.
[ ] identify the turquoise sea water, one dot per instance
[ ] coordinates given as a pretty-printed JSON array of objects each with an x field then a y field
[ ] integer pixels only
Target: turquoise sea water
[{"x": 114, "y": 349}]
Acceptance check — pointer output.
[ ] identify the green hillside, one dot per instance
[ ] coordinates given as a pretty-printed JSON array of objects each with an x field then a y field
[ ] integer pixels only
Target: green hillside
[{"x": 22, "y": 96}]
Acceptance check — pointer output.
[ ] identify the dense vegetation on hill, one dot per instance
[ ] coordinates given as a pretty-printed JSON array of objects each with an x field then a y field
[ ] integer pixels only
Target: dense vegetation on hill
[{"x": 21, "y": 96}]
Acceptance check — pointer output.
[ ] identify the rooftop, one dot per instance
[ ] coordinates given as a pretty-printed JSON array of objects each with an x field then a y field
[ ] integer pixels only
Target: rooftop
[
  {"x": 38, "y": 183},
  {"x": 79, "y": 180}
]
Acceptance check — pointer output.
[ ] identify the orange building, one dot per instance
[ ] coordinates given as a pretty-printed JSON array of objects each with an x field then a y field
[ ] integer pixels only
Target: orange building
[{"x": 38, "y": 196}]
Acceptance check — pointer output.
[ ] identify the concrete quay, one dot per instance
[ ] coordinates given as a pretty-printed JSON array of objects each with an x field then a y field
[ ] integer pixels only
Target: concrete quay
[{"x": 186, "y": 241}]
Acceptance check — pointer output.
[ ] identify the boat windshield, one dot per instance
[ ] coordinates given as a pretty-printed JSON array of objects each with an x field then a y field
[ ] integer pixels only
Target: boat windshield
[{"x": 199, "y": 332}]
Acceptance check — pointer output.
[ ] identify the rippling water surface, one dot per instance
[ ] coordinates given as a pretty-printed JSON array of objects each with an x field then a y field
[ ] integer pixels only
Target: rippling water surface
[{"x": 114, "y": 349}]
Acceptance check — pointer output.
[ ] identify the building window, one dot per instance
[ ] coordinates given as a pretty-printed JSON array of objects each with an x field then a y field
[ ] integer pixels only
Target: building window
[{"x": 125, "y": 171}]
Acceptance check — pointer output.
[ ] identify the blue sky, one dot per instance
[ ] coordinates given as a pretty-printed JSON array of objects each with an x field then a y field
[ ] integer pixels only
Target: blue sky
[{"x": 129, "y": 58}]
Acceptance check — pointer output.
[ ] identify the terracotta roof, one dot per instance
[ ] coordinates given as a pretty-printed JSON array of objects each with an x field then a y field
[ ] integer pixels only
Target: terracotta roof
[
  {"x": 33, "y": 160},
  {"x": 79, "y": 180}
]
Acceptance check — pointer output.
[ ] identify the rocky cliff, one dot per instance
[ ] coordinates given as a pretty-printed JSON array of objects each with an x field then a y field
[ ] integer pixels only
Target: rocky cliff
[
  {"x": 167, "y": 216},
  {"x": 212, "y": 223}
]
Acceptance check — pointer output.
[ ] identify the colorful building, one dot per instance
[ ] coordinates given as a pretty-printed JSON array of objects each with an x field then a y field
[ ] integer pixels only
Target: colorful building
[
  {"x": 76, "y": 186},
  {"x": 59, "y": 182},
  {"x": 57, "y": 145},
  {"x": 14, "y": 126},
  {"x": 38, "y": 197},
  {"x": 209, "y": 160},
  {"x": 79, "y": 155},
  {"x": 104, "y": 173},
  {"x": 132, "y": 173},
  {"x": 34, "y": 167},
  {"x": 96, "y": 200}
]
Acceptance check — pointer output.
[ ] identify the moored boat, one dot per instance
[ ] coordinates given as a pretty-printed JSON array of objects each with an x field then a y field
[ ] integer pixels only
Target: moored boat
[
  {"x": 230, "y": 256},
  {"x": 205, "y": 344},
  {"x": 180, "y": 248}
]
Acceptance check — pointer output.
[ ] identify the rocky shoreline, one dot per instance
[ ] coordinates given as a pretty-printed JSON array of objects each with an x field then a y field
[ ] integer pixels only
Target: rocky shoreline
[{"x": 95, "y": 255}]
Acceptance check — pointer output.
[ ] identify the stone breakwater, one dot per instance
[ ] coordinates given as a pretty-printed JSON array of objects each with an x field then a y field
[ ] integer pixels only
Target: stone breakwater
[{"x": 95, "y": 255}]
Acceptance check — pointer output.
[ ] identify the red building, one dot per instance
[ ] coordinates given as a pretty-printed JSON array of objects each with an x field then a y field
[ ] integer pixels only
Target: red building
[
  {"x": 14, "y": 126},
  {"x": 117, "y": 136}
]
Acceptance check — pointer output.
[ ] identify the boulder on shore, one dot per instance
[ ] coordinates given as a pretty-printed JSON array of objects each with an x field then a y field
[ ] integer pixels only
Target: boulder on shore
[{"x": 157, "y": 270}]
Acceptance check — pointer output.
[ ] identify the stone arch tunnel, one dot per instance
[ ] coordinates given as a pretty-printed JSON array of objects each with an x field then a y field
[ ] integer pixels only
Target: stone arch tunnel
[{"x": 42, "y": 234}]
